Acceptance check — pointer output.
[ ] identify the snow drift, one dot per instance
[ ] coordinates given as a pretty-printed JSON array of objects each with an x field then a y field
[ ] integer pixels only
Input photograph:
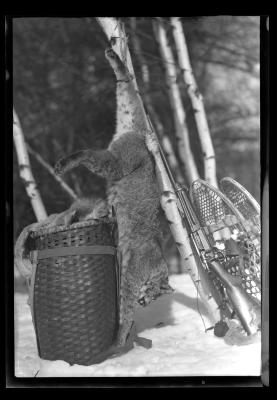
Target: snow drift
[{"x": 181, "y": 347}]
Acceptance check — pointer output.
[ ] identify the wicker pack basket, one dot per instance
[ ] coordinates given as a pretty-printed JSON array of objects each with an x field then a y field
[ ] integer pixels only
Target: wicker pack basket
[{"x": 73, "y": 291}]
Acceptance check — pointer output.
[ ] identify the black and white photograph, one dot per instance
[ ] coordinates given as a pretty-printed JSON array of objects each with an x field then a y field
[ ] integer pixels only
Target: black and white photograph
[{"x": 139, "y": 198}]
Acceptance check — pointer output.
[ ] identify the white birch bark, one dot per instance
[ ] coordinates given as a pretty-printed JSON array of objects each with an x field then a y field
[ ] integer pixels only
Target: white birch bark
[
  {"x": 115, "y": 32},
  {"x": 168, "y": 198},
  {"x": 182, "y": 133},
  {"x": 25, "y": 171},
  {"x": 165, "y": 141},
  {"x": 179, "y": 232},
  {"x": 197, "y": 102}
]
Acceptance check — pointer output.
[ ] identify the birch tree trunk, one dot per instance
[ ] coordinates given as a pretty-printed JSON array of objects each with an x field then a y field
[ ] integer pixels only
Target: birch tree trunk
[
  {"x": 115, "y": 32},
  {"x": 197, "y": 102},
  {"x": 25, "y": 171},
  {"x": 179, "y": 232},
  {"x": 165, "y": 141},
  {"x": 182, "y": 133},
  {"x": 168, "y": 198}
]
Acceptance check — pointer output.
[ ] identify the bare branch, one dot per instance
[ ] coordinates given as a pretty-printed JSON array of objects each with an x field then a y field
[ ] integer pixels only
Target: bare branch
[{"x": 48, "y": 167}]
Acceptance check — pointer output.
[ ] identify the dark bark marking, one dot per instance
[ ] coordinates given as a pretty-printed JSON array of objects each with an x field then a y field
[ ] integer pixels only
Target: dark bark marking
[{"x": 166, "y": 193}]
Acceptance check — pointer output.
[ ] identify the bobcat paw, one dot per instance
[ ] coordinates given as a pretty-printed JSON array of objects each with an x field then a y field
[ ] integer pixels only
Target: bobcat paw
[
  {"x": 59, "y": 168},
  {"x": 126, "y": 334},
  {"x": 110, "y": 54}
]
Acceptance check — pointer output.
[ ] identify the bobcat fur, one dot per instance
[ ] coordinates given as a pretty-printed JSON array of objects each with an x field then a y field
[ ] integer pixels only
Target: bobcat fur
[
  {"x": 132, "y": 190},
  {"x": 81, "y": 210}
]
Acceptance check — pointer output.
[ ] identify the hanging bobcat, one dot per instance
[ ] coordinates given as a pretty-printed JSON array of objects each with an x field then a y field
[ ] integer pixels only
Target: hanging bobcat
[{"x": 133, "y": 192}]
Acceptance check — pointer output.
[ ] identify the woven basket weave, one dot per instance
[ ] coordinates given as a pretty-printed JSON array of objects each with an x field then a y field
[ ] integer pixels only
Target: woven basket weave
[{"x": 74, "y": 292}]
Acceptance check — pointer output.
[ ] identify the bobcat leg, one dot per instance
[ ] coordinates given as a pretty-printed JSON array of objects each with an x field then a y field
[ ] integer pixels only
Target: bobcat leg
[
  {"x": 130, "y": 113},
  {"x": 100, "y": 162},
  {"x": 128, "y": 304},
  {"x": 120, "y": 70},
  {"x": 72, "y": 161}
]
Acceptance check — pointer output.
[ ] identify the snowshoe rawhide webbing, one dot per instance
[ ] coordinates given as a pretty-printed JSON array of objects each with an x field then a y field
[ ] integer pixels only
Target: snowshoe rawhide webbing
[{"x": 229, "y": 236}]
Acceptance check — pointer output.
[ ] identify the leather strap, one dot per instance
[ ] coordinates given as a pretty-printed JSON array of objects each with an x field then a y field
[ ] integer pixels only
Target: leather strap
[
  {"x": 31, "y": 283},
  {"x": 78, "y": 250}
]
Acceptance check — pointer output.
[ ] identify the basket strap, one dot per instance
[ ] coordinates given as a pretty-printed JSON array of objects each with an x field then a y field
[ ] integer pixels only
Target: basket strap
[
  {"x": 73, "y": 251},
  {"x": 31, "y": 282}
]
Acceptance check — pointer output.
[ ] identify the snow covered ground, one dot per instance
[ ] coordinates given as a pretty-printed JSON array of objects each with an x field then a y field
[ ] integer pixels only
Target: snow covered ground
[{"x": 180, "y": 346}]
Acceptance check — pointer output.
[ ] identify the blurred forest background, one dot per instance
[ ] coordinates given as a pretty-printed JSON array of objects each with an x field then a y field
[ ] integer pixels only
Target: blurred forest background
[{"x": 64, "y": 96}]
